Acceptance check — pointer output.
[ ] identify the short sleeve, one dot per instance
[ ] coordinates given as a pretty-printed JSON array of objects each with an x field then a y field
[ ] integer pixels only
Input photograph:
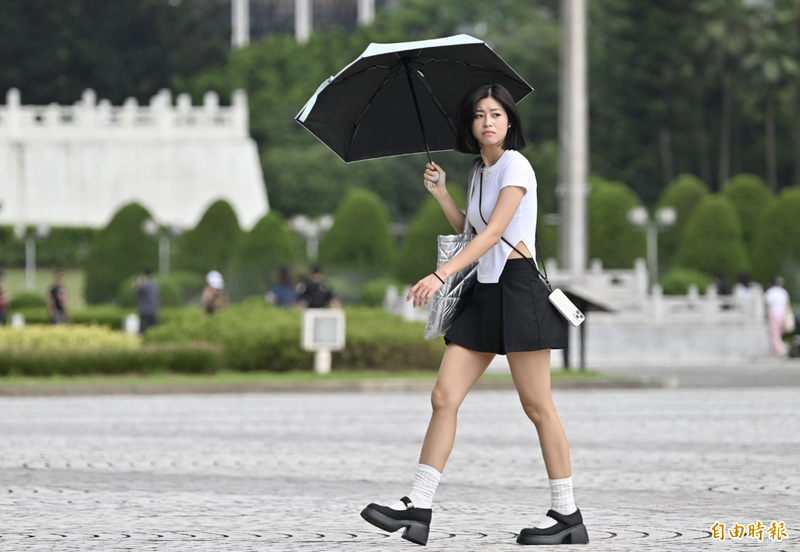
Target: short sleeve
[{"x": 518, "y": 172}]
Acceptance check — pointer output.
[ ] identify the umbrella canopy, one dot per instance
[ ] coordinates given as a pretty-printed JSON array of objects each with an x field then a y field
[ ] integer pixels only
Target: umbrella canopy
[{"x": 401, "y": 98}]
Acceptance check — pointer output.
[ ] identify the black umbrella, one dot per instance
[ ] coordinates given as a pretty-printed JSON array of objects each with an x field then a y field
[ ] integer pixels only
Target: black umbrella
[{"x": 397, "y": 99}]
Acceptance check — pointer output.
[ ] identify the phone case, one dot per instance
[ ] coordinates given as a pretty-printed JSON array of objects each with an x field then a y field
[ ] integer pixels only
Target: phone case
[{"x": 567, "y": 308}]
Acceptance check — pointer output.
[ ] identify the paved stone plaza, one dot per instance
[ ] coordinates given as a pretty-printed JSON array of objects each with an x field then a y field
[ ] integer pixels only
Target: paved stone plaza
[{"x": 654, "y": 469}]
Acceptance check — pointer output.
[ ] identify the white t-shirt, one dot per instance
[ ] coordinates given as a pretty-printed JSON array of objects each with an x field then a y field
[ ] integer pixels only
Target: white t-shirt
[
  {"x": 778, "y": 300},
  {"x": 512, "y": 169}
]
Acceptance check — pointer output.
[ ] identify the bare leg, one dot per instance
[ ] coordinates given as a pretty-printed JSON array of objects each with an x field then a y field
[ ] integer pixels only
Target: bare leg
[
  {"x": 531, "y": 374},
  {"x": 459, "y": 371}
]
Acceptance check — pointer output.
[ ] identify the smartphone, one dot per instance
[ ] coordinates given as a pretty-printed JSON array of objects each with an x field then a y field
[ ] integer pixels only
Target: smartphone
[{"x": 567, "y": 308}]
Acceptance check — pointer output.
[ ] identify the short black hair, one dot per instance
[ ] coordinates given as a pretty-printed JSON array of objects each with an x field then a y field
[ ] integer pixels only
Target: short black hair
[
  {"x": 465, "y": 114},
  {"x": 148, "y": 271},
  {"x": 316, "y": 270}
]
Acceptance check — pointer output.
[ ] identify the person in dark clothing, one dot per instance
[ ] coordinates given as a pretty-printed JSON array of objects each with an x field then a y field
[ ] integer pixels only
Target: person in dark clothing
[
  {"x": 283, "y": 292},
  {"x": 3, "y": 302},
  {"x": 57, "y": 300},
  {"x": 315, "y": 293},
  {"x": 149, "y": 293}
]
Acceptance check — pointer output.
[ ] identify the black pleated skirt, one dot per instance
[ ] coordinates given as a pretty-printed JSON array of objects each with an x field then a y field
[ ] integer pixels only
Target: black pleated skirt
[{"x": 511, "y": 316}]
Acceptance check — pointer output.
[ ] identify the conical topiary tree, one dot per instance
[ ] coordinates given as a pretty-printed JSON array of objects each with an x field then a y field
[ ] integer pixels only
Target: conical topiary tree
[
  {"x": 117, "y": 252},
  {"x": 712, "y": 240},
  {"x": 417, "y": 257},
  {"x": 750, "y": 196},
  {"x": 212, "y": 244},
  {"x": 360, "y": 239},
  {"x": 776, "y": 247},
  {"x": 612, "y": 238},
  {"x": 683, "y": 194},
  {"x": 269, "y": 245}
]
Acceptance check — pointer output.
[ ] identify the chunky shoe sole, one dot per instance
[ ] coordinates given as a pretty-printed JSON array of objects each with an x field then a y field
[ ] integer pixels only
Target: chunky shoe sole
[
  {"x": 415, "y": 531},
  {"x": 576, "y": 534}
]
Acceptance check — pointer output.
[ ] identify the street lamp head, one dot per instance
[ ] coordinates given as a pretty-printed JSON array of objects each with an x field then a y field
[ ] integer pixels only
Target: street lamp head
[
  {"x": 20, "y": 231},
  {"x": 325, "y": 222},
  {"x": 175, "y": 230},
  {"x": 42, "y": 231},
  {"x": 150, "y": 227},
  {"x": 638, "y": 216},
  {"x": 666, "y": 216},
  {"x": 301, "y": 224}
]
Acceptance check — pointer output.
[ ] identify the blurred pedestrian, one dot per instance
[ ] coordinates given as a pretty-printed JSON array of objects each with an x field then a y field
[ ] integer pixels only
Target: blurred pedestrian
[
  {"x": 214, "y": 297},
  {"x": 57, "y": 300},
  {"x": 777, "y": 305},
  {"x": 3, "y": 302},
  {"x": 719, "y": 282},
  {"x": 316, "y": 293},
  {"x": 745, "y": 290},
  {"x": 284, "y": 291},
  {"x": 149, "y": 293}
]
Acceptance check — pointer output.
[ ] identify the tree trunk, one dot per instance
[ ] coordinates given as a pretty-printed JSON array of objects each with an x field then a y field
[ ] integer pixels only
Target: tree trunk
[
  {"x": 725, "y": 132},
  {"x": 701, "y": 135},
  {"x": 665, "y": 143},
  {"x": 769, "y": 128}
]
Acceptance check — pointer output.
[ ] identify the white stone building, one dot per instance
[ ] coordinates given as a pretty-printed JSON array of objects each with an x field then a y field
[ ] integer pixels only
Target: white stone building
[{"x": 78, "y": 165}]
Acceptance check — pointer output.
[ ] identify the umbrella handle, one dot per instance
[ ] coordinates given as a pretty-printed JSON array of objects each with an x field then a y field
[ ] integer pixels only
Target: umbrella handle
[{"x": 432, "y": 182}]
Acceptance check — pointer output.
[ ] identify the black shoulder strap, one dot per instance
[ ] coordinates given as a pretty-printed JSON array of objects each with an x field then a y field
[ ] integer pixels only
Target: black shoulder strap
[{"x": 538, "y": 247}]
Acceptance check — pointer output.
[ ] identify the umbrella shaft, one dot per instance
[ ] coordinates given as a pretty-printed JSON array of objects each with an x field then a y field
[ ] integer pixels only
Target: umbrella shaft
[{"x": 416, "y": 106}]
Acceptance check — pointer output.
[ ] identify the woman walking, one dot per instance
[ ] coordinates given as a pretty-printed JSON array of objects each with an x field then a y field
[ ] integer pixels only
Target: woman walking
[{"x": 508, "y": 313}]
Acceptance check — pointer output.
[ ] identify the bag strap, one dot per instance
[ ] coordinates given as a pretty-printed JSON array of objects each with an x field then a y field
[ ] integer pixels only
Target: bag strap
[
  {"x": 538, "y": 247},
  {"x": 468, "y": 228}
]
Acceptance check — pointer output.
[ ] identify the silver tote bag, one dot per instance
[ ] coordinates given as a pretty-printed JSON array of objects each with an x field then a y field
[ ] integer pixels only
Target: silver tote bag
[{"x": 445, "y": 301}]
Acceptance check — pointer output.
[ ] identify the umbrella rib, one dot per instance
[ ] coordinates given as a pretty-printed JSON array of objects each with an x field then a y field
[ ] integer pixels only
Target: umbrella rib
[
  {"x": 421, "y": 77},
  {"x": 358, "y": 122},
  {"x": 388, "y": 68}
]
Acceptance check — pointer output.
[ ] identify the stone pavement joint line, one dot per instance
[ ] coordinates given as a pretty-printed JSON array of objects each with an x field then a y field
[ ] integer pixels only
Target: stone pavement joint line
[{"x": 654, "y": 469}]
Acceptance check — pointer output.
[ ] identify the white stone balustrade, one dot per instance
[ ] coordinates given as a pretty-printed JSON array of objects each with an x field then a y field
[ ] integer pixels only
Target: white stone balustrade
[
  {"x": 76, "y": 165},
  {"x": 89, "y": 118}
]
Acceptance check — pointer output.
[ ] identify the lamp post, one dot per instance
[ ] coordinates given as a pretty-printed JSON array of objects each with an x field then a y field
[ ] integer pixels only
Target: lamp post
[
  {"x": 311, "y": 229},
  {"x": 163, "y": 234},
  {"x": 664, "y": 219},
  {"x": 30, "y": 236}
]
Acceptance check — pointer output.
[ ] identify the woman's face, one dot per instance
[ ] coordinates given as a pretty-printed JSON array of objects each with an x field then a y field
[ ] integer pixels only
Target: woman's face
[{"x": 490, "y": 125}]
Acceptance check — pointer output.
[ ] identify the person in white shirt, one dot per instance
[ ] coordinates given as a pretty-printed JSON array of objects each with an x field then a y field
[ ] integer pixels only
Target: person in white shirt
[
  {"x": 777, "y": 303},
  {"x": 506, "y": 312}
]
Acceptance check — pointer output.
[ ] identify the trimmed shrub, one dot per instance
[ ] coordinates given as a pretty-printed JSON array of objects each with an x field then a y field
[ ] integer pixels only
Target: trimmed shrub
[
  {"x": 119, "y": 251},
  {"x": 255, "y": 336},
  {"x": 27, "y": 300},
  {"x": 171, "y": 293},
  {"x": 212, "y": 244},
  {"x": 776, "y": 247},
  {"x": 684, "y": 194},
  {"x": 749, "y": 195},
  {"x": 678, "y": 280},
  {"x": 71, "y": 350},
  {"x": 417, "y": 257},
  {"x": 263, "y": 250},
  {"x": 63, "y": 247},
  {"x": 612, "y": 238},
  {"x": 712, "y": 240},
  {"x": 110, "y": 316},
  {"x": 373, "y": 292},
  {"x": 360, "y": 239}
]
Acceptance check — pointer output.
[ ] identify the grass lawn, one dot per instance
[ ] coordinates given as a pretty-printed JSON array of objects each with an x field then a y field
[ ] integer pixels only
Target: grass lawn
[
  {"x": 231, "y": 377},
  {"x": 14, "y": 282}
]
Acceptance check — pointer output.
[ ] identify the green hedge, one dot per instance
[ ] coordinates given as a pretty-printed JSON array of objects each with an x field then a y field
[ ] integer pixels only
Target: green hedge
[
  {"x": 63, "y": 247},
  {"x": 255, "y": 336},
  {"x": 27, "y": 300},
  {"x": 103, "y": 315},
  {"x": 776, "y": 248},
  {"x": 171, "y": 293},
  {"x": 678, "y": 280},
  {"x": 193, "y": 358},
  {"x": 749, "y": 195}
]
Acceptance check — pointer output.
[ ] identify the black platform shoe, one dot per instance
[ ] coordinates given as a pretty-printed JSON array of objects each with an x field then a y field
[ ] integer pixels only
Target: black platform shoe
[
  {"x": 417, "y": 521},
  {"x": 567, "y": 530}
]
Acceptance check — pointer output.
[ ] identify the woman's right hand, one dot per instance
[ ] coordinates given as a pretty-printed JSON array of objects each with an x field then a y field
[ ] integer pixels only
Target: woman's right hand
[{"x": 438, "y": 189}]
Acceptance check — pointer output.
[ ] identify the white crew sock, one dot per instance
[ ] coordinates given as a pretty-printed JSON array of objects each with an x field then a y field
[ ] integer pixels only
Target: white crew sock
[
  {"x": 422, "y": 489},
  {"x": 561, "y": 500}
]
